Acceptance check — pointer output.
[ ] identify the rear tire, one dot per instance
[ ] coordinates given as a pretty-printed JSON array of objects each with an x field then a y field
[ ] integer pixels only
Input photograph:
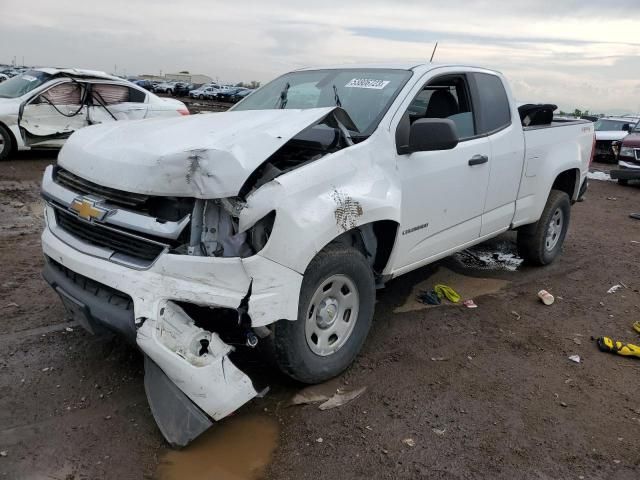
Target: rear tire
[
  {"x": 622, "y": 181},
  {"x": 337, "y": 301},
  {"x": 6, "y": 143},
  {"x": 541, "y": 242}
]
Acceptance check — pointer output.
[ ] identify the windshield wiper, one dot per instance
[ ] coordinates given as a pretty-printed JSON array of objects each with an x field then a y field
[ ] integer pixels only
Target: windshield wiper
[
  {"x": 336, "y": 97},
  {"x": 283, "y": 96}
]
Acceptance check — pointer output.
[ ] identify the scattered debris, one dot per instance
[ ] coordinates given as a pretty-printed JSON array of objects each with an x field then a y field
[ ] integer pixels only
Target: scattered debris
[
  {"x": 4, "y": 453},
  {"x": 69, "y": 329},
  {"x": 409, "y": 442},
  {"x": 439, "y": 431},
  {"x": 608, "y": 345},
  {"x": 319, "y": 440},
  {"x": 335, "y": 397},
  {"x": 470, "y": 304},
  {"x": 612, "y": 198},
  {"x": 597, "y": 175},
  {"x": 342, "y": 397},
  {"x": 515, "y": 314},
  {"x": 635, "y": 242},
  {"x": 635, "y": 216},
  {"x": 577, "y": 341},
  {"x": 439, "y": 359},
  {"x": 429, "y": 297},
  {"x": 574, "y": 358},
  {"x": 614, "y": 289},
  {"x": 545, "y": 297},
  {"x": 46, "y": 369},
  {"x": 445, "y": 291},
  {"x": 563, "y": 404},
  {"x": 11, "y": 304}
]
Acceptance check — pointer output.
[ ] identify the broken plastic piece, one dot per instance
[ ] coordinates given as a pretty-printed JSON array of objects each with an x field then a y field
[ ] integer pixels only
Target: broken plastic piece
[{"x": 178, "y": 418}]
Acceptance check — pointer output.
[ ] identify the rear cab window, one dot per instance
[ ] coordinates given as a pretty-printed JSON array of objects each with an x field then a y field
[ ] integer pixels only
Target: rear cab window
[{"x": 493, "y": 107}]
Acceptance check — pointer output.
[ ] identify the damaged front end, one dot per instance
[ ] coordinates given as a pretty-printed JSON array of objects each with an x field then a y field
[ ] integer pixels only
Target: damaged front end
[{"x": 179, "y": 239}]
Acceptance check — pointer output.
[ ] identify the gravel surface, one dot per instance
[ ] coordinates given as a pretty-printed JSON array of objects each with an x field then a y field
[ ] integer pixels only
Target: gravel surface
[{"x": 451, "y": 392}]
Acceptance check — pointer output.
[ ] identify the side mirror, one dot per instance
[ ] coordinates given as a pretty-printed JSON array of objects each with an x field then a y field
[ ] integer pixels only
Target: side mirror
[
  {"x": 429, "y": 134},
  {"x": 626, "y": 127}
]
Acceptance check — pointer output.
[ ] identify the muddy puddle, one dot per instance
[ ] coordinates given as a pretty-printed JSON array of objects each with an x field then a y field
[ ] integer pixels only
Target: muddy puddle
[
  {"x": 467, "y": 287},
  {"x": 238, "y": 448},
  {"x": 496, "y": 255}
]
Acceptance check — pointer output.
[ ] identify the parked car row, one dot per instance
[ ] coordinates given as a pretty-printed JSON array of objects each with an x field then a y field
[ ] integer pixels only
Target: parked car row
[
  {"x": 208, "y": 91},
  {"x": 610, "y": 131}
]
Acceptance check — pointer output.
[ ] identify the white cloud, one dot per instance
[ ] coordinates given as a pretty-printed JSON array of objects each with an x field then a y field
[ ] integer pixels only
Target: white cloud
[{"x": 577, "y": 53}]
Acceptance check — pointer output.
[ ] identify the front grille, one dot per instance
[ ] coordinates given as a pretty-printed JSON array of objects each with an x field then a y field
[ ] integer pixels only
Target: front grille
[
  {"x": 102, "y": 236},
  {"x": 136, "y": 201}
]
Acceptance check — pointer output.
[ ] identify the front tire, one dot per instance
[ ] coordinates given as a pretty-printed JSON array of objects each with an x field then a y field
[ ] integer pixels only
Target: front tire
[
  {"x": 6, "y": 143},
  {"x": 337, "y": 301},
  {"x": 541, "y": 242}
]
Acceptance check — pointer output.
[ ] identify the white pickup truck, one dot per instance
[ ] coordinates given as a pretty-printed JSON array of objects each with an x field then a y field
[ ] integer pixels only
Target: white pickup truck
[{"x": 276, "y": 221}]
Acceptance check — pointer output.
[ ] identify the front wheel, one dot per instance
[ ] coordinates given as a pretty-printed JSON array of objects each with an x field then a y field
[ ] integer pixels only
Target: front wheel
[
  {"x": 541, "y": 242},
  {"x": 336, "y": 307}
]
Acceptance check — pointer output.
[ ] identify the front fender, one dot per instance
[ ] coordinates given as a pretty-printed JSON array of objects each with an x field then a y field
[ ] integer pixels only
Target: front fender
[{"x": 320, "y": 201}]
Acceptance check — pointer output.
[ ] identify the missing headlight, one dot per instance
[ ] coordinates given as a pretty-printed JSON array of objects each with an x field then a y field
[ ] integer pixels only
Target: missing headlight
[{"x": 214, "y": 231}]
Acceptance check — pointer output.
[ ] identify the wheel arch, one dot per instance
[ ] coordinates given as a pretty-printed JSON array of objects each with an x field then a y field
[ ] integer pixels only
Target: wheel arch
[
  {"x": 374, "y": 239},
  {"x": 568, "y": 181}
]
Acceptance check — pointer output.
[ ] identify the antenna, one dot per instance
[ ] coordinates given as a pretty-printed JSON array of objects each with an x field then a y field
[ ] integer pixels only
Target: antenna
[{"x": 434, "y": 52}]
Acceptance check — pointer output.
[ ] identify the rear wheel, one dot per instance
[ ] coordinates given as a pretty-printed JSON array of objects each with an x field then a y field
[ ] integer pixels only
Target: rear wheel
[
  {"x": 201, "y": 97},
  {"x": 336, "y": 307},
  {"x": 623, "y": 181},
  {"x": 6, "y": 143},
  {"x": 541, "y": 242}
]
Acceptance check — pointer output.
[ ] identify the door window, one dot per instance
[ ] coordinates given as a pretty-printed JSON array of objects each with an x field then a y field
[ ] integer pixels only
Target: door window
[
  {"x": 110, "y": 94},
  {"x": 446, "y": 97},
  {"x": 495, "y": 110},
  {"x": 63, "y": 94}
]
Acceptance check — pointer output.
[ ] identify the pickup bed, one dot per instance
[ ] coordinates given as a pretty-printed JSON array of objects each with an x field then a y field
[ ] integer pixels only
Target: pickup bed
[{"x": 275, "y": 222}]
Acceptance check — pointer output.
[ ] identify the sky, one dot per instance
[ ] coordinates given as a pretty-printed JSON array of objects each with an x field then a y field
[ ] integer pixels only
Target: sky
[{"x": 574, "y": 53}]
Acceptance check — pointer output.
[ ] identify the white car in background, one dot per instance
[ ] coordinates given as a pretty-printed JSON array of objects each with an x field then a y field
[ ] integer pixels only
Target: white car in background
[
  {"x": 609, "y": 134},
  {"x": 42, "y": 107}
]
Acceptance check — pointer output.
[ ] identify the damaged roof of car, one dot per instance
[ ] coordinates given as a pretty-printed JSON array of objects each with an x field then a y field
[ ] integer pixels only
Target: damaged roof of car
[{"x": 77, "y": 72}]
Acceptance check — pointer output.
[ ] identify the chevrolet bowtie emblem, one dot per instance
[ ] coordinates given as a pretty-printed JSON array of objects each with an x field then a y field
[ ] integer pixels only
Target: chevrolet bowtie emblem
[{"x": 88, "y": 209}]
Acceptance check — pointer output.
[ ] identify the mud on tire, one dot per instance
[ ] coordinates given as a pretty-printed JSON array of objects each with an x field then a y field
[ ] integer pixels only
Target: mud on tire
[
  {"x": 292, "y": 344},
  {"x": 540, "y": 243}
]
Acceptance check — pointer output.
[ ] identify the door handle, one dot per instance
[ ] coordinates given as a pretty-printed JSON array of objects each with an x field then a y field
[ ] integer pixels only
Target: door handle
[{"x": 478, "y": 160}]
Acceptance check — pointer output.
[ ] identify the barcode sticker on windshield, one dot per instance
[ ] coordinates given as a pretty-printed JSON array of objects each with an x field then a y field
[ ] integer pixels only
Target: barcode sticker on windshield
[{"x": 367, "y": 83}]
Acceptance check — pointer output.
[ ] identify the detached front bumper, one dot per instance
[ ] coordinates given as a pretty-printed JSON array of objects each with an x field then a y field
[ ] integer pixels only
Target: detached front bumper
[{"x": 143, "y": 306}]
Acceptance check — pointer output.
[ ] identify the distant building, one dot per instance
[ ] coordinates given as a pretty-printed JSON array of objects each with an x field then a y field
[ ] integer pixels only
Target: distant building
[
  {"x": 189, "y": 77},
  {"x": 198, "y": 79}
]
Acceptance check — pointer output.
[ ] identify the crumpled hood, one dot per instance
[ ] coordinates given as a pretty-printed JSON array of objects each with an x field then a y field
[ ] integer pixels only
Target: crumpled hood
[
  {"x": 201, "y": 156},
  {"x": 605, "y": 135}
]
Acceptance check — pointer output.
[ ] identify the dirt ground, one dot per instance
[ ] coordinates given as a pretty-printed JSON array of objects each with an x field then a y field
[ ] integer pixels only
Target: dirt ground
[{"x": 480, "y": 393}]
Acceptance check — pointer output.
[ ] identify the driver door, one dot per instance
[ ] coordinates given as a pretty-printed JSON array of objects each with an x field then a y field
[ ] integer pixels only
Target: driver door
[
  {"x": 443, "y": 191},
  {"x": 50, "y": 117}
]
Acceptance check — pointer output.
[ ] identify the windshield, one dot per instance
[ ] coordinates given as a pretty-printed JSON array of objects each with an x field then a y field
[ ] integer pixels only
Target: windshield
[
  {"x": 365, "y": 94},
  {"x": 24, "y": 83},
  {"x": 612, "y": 125}
]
